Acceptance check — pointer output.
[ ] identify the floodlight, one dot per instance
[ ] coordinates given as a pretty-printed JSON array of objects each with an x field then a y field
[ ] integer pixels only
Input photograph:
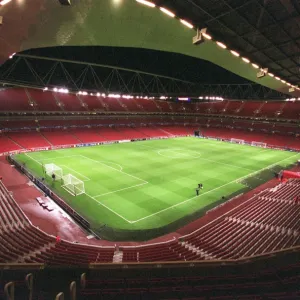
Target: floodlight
[
  {"x": 167, "y": 12},
  {"x": 148, "y": 3},
  {"x": 221, "y": 45},
  {"x": 235, "y": 53},
  {"x": 186, "y": 23},
  {"x": 3, "y": 2}
]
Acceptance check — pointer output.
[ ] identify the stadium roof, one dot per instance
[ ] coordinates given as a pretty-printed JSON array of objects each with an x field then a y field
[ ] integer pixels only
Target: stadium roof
[{"x": 265, "y": 32}]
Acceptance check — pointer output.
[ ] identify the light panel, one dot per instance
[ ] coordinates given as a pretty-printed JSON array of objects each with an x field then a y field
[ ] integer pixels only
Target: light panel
[
  {"x": 186, "y": 23},
  {"x": 235, "y": 53},
  {"x": 207, "y": 36},
  {"x": 3, "y": 2},
  {"x": 246, "y": 60},
  {"x": 221, "y": 45},
  {"x": 148, "y": 3},
  {"x": 167, "y": 12}
]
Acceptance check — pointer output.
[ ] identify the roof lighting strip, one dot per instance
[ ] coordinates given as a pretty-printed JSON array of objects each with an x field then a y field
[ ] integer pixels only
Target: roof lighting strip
[{"x": 209, "y": 37}]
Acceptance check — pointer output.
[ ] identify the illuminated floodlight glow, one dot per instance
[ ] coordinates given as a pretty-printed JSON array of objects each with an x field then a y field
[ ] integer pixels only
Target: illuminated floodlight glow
[
  {"x": 98, "y": 94},
  {"x": 64, "y": 91},
  {"x": 148, "y": 3},
  {"x": 288, "y": 84},
  {"x": 277, "y": 78},
  {"x": 235, "y": 53},
  {"x": 207, "y": 36},
  {"x": 283, "y": 81},
  {"x": 127, "y": 96},
  {"x": 186, "y": 23},
  {"x": 114, "y": 96},
  {"x": 271, "y": 74},
  {"x": 221, "y": 45},
  {"x": 3, "y": 2},
  {"x": 255, "y": 66},
  {"x": 55, "y": 90},
  {"x": 167, "y": 12},
  {"x": 246, "y": 60},
  {"x": 201, "y": 98},
  {"x": 183, "y": 99},
  {"x": 45, "y": 89}
]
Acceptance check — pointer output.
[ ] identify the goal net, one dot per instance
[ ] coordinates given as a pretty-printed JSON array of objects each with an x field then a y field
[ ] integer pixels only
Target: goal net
[
  {"x": 259, "y": 144},
  {"x": 51, "y": 169},
  {"x": 237, "y": 141},
  {"x": 73, "y": 185}
]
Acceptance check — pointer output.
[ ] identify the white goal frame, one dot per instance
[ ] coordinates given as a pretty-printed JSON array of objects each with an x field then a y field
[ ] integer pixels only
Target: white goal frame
[
  {"x": 259, "y": 144},
  {"x": 51, "y": 169},
  {"x": 73, "y": 185},
  {"x": 237, "y": 141}
]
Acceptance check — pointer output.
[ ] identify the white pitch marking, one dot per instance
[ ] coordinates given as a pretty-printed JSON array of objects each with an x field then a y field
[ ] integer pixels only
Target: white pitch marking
[
  {"x": 86, "y": 178},
  {"x": 97, "y": 161},
  {"x": 33, "y": 159},
  {"x": 57, "y": 157},
  {"x": 236, "y": 180},
  {"x": 187, "y": 155},
  {"x": 121, "y": 168},
  {"x": 127, "y": 188},
  {"x": 90, "y": 196},
  {"x": 109, "y": 208}
]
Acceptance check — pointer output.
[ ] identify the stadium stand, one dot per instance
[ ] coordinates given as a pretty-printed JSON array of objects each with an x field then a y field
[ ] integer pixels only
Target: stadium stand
[
  {"x": 69, "y": 102},
  {"x": 44, "y": 101},
  {"x": 57, "y": 138},
  {"x": 15, "y": 100},
  {"x": 29, "y": 140},
  {"x": 7, "y": 145}
]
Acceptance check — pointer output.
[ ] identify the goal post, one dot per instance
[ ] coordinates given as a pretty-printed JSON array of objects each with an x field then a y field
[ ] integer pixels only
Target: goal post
[
  {"x": 73, "y": 185},
  {"x": 259, "y": 144},
  {"x": 237, "y": 141},
  {"x": 51, "y": 169}
]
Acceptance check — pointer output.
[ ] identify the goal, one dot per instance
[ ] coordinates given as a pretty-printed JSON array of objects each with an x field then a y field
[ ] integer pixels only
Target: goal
[
  {"x": 73, "y": 185},
  {"x": 51, "y": 169},
  {"x": 259, "y": 144},
  {"x": 237, "y": 141}
]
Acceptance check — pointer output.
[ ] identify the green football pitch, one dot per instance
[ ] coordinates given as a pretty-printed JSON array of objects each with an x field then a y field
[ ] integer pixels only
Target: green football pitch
[{"x": 150, "y": 184}]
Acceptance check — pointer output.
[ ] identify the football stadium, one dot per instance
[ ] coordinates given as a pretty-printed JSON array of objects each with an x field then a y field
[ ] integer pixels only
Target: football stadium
[{"x": 150, "y": 149}]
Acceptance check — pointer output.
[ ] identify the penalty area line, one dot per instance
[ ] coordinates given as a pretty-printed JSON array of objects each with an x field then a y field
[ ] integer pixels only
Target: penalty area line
[
  {"x": 234, "y": 181},
  {"x": 127, "y": 188},
  {"x": 99, "y": 162},
  {"x": 86, "y": 178},
  {"x": 111, "y": 210}
]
